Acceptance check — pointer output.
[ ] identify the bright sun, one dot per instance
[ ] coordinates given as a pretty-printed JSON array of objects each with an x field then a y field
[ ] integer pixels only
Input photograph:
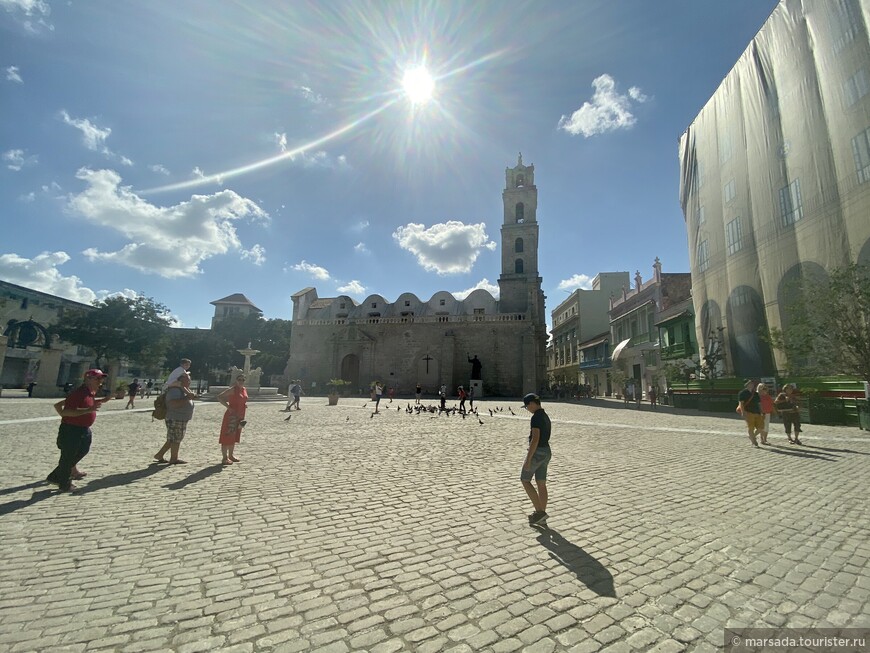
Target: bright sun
[{"x": 418, "y": 85}]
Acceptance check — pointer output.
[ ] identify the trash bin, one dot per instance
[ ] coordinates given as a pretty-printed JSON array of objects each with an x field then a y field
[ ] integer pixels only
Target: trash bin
[{"x": 863, "y": 413}]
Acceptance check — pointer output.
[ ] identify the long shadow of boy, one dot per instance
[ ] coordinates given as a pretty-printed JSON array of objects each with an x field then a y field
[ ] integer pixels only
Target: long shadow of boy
[{"x": 589, "y": 571}]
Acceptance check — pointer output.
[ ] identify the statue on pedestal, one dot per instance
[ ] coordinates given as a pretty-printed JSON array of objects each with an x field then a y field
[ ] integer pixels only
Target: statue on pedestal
[{"x": 476, "y": 366}]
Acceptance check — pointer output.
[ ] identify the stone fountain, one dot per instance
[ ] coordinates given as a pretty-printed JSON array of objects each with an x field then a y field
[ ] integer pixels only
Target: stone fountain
[{"x": 252, "y": 377}]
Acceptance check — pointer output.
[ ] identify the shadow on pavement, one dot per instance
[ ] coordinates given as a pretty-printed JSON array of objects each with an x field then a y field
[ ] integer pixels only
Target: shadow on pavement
[
  {"x": 18, "y": 488},
  {"x": 193, "y": 478},
  {"x": 114, "y": 480},
  {"x": 787, "y": 451},
  {"x": 821, "y": 449},
  {"x": 589, "y": 571},
  {"x": 12, "y": 506}
]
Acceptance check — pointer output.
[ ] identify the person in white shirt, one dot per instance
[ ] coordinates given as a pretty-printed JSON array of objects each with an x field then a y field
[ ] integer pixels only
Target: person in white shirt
[{"x": 177, "y": 372}]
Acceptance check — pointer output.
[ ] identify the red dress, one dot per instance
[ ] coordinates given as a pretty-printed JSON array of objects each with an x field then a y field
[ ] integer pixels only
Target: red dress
[{"x": 231, "y": 432}]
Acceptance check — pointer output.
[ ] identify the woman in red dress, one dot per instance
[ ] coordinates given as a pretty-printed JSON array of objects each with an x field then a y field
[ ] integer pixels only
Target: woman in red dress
[{"x": 235, "y": 398}]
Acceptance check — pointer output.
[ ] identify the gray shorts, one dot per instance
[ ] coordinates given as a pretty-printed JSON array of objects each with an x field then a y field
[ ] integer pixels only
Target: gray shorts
[{"x": 538, "y": 468}]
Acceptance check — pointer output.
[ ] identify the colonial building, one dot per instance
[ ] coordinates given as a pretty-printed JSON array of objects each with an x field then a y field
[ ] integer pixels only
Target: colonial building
[
  {"x": 412, "y": 341},
  {"x": 577, "y": 319},
  {"x": 633, "y": 318},
  {"x": 235, "y": 305},
  {"x": 775, "y": 175},
  {"x": 28, "y": 353}
]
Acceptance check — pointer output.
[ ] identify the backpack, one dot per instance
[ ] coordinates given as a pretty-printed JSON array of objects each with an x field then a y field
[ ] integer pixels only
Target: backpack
[{"x": 159, "y": 411}]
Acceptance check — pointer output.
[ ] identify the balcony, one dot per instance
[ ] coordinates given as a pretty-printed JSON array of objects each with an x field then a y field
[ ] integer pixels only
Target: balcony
[
  {"x": 678, "y": 350},
  {"x": 595, "y": 363},
  {"x": 639, "y": 339}
]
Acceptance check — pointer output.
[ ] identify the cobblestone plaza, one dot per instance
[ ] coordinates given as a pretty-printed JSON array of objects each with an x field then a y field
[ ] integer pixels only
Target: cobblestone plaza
[{"x": 339, "y": 531}]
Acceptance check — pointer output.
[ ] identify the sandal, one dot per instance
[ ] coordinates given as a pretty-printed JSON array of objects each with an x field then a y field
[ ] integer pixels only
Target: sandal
[
  {"x": 227, "y": 462},
  {"x": 177, "y": 461},
  {"x": 234, "y": 459}
]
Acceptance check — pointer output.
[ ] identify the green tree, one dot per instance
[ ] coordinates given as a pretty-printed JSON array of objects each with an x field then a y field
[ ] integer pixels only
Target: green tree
[
  {"x": 271, "y": 337},
  {"x": 827, "y": 330},
  {"x": 208, "y": 351},
  {"x": 120, "y": 327}
]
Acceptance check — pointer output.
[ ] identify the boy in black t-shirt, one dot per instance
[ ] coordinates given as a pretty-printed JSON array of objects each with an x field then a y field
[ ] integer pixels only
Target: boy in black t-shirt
[{"x": 537, "y": 459}]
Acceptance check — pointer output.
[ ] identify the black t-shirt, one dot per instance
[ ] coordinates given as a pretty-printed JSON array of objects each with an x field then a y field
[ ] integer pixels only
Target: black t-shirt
[
  {"x": 541, "y": 421},
  {"x": 751, "y": 401},
  {"x": 419, "y": 389},
  {"x": 133, "y": 388}
]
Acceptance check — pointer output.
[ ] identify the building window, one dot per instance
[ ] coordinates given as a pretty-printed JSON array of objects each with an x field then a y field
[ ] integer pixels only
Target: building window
[
  {"x": 856, "y": 87},
  {"x": 790, "y": 206},
  {"x": 733, "y": 236},
  {"x": 520, "y": 181},
  {"x": 729, "y": 191},
  {"x": 699, "y": 215},
  {"x": 442, "y": 302},
  {"x": 374, "y": 304},
  {"x": 518, "y": 246},
  {"x": 700, "y": 177},
  {"x": 861, "y": 152},
  {"x": 341, "y": 305},
  {"x": 725, "y": 149},
  {"x": 703, "y": 256},
  {"x": 520, "y": 212},
  {"x": 518, "y": 266},
  {"x": 846, "y": 21},
  {"x": 407, "y": 302}
]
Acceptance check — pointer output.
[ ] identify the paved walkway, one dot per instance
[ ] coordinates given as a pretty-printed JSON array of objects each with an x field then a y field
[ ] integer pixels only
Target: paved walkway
[{"x": 339, "y": 531}]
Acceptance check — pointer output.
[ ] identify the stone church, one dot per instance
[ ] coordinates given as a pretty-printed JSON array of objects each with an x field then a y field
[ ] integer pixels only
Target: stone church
[{"x": 412, "y": 341}]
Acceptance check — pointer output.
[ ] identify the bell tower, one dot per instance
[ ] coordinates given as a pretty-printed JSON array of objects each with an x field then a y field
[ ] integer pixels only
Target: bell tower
[{"x": 519, "y": 283}]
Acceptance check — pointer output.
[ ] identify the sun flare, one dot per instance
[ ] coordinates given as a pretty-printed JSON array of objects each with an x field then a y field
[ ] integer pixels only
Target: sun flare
[{"x": 418, "y": 84}]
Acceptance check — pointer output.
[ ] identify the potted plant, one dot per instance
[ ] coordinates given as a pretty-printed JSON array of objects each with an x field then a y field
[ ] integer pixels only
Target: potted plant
[
  {"x": 121, "y": 390},
  {"x": 335, "y": 386}
]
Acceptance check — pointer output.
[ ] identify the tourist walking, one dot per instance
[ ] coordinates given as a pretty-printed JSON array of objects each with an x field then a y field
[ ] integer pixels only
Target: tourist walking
[
  {"x": 462, "y": 397},
  {"x": 653, "y": 396},
  {"x": 767, "y": 408},
  {"x": 132, "y": 392},
  {"x": 537, "y": 458},
  {"x": 179, "y": 411},
  {"x": 296, "y": 393},
  {"x": 418, "y": 393},
  {"x": 235, "y": 399},
  {"x": 379, "y": 392},
  {"x": 78, "y": 412},
  {"x": 149, "y": 387},
  {"x": 471, "y": 399},
  {"x": 749, "y": 405},
  {"x": 786, "y": 405},
  {"x": 442, "y": 394}
]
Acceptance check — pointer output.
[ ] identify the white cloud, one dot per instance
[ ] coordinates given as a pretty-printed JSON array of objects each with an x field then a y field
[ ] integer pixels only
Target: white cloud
[
  {"x": 12, "y": 74},
  {"x": 577, "y": 281},
  {"x": 16, "y": 159},
  {"x": 27, "y": 198},
  {"x": 26, "y": 10},
  {"x": 52, "y": 189},
  {"x": 314, "y": 270},
  {"x": 319, "y": 159},
  {"x": 199, "y": 174},
  {"x": 94, "y": 137},
  {"x": 608, "y": 110},
  {"x": 447, "y": 248},
  {"x": 41, "y": 273},
  {"x": 257, "y": 254},
  {"x": 361, "y": 248},
  {"x": 159, "y": 168},
  {"x": 280, "y": 140},
  {"x": 484, "y": 284},
  {"x": 310, "y": 95},
  {"x": 352, "y": 288},
  {"x": 171, "y": 241}
]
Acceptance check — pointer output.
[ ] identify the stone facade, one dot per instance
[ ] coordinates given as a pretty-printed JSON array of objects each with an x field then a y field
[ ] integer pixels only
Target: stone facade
[
  {"x": 412, "y": 341},
  {"x": 30, "y": 354}
]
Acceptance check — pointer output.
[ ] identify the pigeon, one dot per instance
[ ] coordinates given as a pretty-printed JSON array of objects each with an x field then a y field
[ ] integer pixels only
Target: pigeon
[
  {"x": 511, "y": 412},
  {"x": 365, "y": 404},
  {"x": 287, "y": 419},
  {"x": 347, "y": 420},
  {"x": 398, "y": 409},
  {"x": 480, "y": 421},
  {"x": 490, "y": 412},
  {"x": 391, "y": 401}
]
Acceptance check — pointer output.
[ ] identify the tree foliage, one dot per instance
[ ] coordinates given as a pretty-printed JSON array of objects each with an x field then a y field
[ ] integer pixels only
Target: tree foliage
[
  {"x": 120, "y": 327},
  {"x": 207, "y": 350},
  {"x": 271, "y": 337},
  {"x": 827, "y": 330}
]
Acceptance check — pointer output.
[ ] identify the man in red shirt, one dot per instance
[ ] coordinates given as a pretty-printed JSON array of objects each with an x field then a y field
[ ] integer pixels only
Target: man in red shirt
[{"x": 78, "y": 412}]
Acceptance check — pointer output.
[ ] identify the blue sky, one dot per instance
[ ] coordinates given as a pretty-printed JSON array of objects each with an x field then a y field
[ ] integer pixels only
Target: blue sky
[{"x": 191, "y": 150}]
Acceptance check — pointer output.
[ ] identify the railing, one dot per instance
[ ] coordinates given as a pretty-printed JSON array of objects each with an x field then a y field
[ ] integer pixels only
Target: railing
[
  {"x": 593, "y": 363},
  {"x": 433, "y": 319},
  {"x": 639, "y": 339},
  {"x": 678, "y": 350}
]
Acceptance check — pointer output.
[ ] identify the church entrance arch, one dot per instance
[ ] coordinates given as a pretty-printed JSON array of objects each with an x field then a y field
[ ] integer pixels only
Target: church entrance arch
[{"x": 350, "y": 370}]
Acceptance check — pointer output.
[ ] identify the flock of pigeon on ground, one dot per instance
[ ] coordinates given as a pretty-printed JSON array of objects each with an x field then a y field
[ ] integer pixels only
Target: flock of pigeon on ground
[{"x": 432, "y": 410}]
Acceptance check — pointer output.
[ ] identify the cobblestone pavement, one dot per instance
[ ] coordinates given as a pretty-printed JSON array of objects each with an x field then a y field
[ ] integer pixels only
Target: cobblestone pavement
[{"x": 339, "y": 531}]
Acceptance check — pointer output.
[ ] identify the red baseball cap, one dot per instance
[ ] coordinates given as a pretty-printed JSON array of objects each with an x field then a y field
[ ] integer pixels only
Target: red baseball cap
[{"x": 95, "y": 372}]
